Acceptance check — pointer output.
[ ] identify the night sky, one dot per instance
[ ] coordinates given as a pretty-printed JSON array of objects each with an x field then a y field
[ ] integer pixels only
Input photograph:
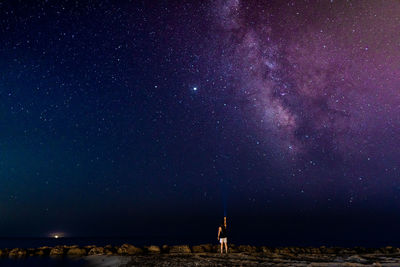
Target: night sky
[{"x": 157, "y": 117}]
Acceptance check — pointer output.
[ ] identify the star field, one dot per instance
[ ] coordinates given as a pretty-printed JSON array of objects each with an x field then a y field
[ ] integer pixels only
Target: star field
[{"x": 139, "y": 112}]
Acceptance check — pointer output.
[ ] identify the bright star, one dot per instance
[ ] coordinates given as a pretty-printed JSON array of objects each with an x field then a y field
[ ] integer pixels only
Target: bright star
[{"x": 194, "y": 88}]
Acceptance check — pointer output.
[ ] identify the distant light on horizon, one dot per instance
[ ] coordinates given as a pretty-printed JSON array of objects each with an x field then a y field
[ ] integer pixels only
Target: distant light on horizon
[{"x": 57, "y": 235}]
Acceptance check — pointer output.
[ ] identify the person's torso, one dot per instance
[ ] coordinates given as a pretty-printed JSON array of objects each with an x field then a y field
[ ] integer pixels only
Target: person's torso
[{"x": 223, "y": 231}]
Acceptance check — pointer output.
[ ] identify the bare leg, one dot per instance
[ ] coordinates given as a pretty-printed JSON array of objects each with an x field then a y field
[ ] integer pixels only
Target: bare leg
[
  {"x": 222, "y": 243},
  {"x": 226, "y": 247}
]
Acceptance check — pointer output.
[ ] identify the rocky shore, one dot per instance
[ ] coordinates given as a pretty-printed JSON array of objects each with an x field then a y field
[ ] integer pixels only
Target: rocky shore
[{"x": 209, "y": 255}]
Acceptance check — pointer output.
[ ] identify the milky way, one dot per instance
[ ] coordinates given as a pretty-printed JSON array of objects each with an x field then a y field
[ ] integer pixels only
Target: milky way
[
  {"x": 314, "y": 86},
  {"x": 321, "y": 83}
]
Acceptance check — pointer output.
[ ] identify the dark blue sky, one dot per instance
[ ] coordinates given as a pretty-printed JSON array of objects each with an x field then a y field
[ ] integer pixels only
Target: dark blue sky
[{"x": 116, "y": 118}]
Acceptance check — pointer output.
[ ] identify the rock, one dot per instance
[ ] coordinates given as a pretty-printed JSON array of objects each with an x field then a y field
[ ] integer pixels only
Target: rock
[
  {"x": 30, "y": 251},
  {"x": 180, "y": 249},
  {"x": 4, "y": 252},
  {"x": 109, "y": 252},
  {"x": 17, "y": 252},
  {"x": 198, "y": 249},
  {"x": 39, "y": 252},
  {"x": 284, "y": 251},
  {"x": 77, "y": 251},
  {"x": 315, "y": 251},
  {"x": 96, "y": 251},
  {"x": 42, "y": 251},
  {"x": 349, "y": 251},
  {"x": 127, "y": 249},
  {"x": 266, "y": 250},
  {"x": 232, "y": 248},
  {"x": 330, "y": 251},
  {"x": 216, "y": 248},
  {"x": 152, "y": 249},
  {"x": 356, "y": 258},
  {"x": 297, "y": 250},
  {"x": 247, "y": 248},
  {"x": 207, "y": 247},
  {"x": 360, "y": 250},
  {"x": 57, "y": 251},
  {"x": 390, "y": 250},
  {"x": 312, "y": 250},
  {"x": 165, "y": 249}
]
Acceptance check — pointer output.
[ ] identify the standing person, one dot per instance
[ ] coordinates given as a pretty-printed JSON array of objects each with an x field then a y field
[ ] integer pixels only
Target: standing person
[{"x": 223, "y": 235}]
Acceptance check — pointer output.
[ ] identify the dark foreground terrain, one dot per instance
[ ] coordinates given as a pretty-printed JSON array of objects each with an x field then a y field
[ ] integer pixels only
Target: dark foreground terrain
[
  {"x": 244, "y": 259},
  {"x": 208, "y": 255}
]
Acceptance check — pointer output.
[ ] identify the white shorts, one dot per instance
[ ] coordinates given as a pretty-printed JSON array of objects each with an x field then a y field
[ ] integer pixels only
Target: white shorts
[{"x": 223, "y": 240}]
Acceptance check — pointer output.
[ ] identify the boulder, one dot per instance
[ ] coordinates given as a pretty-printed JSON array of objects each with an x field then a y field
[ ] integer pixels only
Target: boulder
[
  {"x": 357, "y": 259},
  {"x": 96, "y": 251},
  {"x": 42, "y": 251},
  {"x": 282, "y": 250},
  {"x": 312, "y": 250},
  {"x": 266, "y": 250},
  {"x": 152, "y": 249},
  {"x": 207, "y": 247},
  {"x": 17, "y": 252},
  {"x": 377, "y": 251},
  {"x": 180, "y": 249},
  {"x": 4, "y": 252},
  {"x": 76, "y": 251},
  {"x": 247, "y": 248},
  {"x": 348, "y": 251},
  {"x": 216, "y": 248},
  {"x": 165, "y": 249},
  {"x": 390, "y": 250},
  {"x": 57, "y": 251},
  {"x": 198, "y": 249},
  {"x": 232, "y": 248},
  {"x": 30, "y": 251},
  {"x": 295, "y": 250},
  {"x": 330, "y": 251},
  {"x": 39, "y": 252},
  {"x": 110, "y": 250},
  {"x": 360, "y": 250},
  {"x": 127, "y": 249},
  {"x": 315, "y": 251}
]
